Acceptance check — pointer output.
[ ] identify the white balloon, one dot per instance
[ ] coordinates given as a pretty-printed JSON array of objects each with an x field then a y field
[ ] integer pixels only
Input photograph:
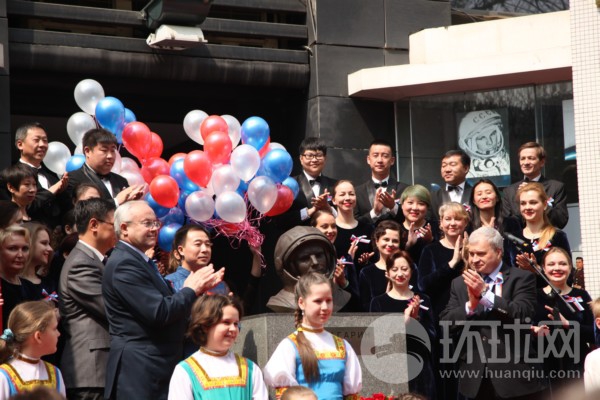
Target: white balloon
[
  {"x": 129, "y": 164},
  {"x": 118, "y": 163},
  {"x": 262, "y": 193},
  {"x": 133, "y": 178},
  {"x": 245, "y": 161},
  {"x": 78, "y": 124},
  {"x": 78, "y": 149},
  {"x": 191, "y": 125},
  {"x": 56, "y": 157},
  {"x": 88, "y": 93},
  {"x": 199, "y": 206},
  {"x": 234, "y": 129},
  {"x": 209, "y": 189},
  {"x": 231, "y": 207},
  {"x": 275, "y": 145},
  {"x": 224, "y": 180}
]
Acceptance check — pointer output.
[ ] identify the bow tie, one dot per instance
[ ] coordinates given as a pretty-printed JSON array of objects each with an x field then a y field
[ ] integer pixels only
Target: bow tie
[
  {"x": 313, "y": 182},
  {"x": 454, "y": 188},
  {"x": 103, "y": 176},
  {"x": 382, "y": 184}
]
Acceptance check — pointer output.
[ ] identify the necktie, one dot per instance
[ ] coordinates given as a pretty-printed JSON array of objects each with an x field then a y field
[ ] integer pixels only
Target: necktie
[
  {"x": 526, "y": 179},
  {"x": 382, "y": 184}
]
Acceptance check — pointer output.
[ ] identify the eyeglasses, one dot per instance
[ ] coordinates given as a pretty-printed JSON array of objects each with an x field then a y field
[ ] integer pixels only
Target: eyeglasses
[
  {"x": 148, "y": 224},
  {"x": 314, "y": 156},
  {"x": 106, "y": 222}
]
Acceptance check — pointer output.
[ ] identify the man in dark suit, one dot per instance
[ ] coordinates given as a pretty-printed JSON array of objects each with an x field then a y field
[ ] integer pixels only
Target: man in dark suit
[
  {"x": 532, "y": 158},
  {"x": 492, "y": 361},
  {"x": 314, "y": 186},
  {"x": 147, "y": 319},
  {"x": 32, "y": 141},
  {"x": 83, "y": 363},
  {"x": 454, "y": 170},
  {"x": 100, "y": 149},
  {"x": 376, "y": 198}
]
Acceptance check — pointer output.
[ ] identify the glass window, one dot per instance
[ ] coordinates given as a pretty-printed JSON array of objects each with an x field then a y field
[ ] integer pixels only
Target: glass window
[{"x": 490, "y": 126}]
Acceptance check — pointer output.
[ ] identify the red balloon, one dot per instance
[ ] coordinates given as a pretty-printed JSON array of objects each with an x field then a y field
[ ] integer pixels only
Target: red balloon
[
  {"x": 164, "y": 191},
  {"x": 153, "y": 167},
  {"x": 211, "y": 124},
  {"x": 176, "y": 157},
  {"x": 137, "y": 139},
  {"x": 285, "y": 197},
  {"x": 156, "y": 146},
  {"x": 265, "y": 148},
  {"x": 197, "y": 167},
  {"x": 218, "y": 147}
]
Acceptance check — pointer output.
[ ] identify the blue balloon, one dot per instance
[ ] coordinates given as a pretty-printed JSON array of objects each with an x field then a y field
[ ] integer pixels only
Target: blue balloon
[
  {"x": 255, "y": 132},
  {"x": 129, "y": 116},
  {"x": 159, "y": 210},
  {"x": 181, "y": 178},
  {"x": 242, "y": 188},
  {"x": 75, "y": 162},
  {"x": 110, "y": 114},
  {"x": 292, "y": 184},
  {"x": 277, "y": 164},
  {"x": 174, "y": 216},
  {"x": 166, "y": 235}
]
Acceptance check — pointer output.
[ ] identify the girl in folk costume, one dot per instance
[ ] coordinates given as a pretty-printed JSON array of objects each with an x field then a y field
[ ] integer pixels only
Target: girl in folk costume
[
  {"x": 214, "y": 372},
  {"x": 32, "y": 333},
  {"x": 312, "y": 356}
]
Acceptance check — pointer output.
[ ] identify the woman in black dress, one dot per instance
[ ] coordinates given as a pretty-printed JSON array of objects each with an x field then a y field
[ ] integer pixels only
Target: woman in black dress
[
  {"x": 372, "y": 280},
  {"x": 441, "y": 261},
  {"x": 416, "y": 232},
  {"x": 349, "y": 229},
  {"x": 487, "y": 211},
  {"x": 14, "y": 250},
  {"x": 538, "y": 232},
  {"x": 417, "y": 310},
  {"x": 552, "y": 315}
]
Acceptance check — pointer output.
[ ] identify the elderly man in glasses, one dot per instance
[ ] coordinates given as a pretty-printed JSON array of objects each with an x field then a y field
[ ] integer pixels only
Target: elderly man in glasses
[{"x": 147, "y": 319}]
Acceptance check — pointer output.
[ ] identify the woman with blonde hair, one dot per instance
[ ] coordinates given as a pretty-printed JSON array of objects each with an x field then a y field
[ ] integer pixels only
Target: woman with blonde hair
[
  {"x": 38, "y": 263},
  {"x": 441, "y": 261},
  {"x": 14, "y": 252},
  {"x": 539, "y": 233}
]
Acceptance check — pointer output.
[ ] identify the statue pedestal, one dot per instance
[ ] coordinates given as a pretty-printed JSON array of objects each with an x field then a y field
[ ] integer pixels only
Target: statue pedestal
[{"x": 379, "y": 340}]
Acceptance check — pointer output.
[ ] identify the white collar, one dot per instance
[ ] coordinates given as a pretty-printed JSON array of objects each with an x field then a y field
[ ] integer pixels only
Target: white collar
[
  {"x": 93, "y": 249},
  {"x": 146, "y": 258}
]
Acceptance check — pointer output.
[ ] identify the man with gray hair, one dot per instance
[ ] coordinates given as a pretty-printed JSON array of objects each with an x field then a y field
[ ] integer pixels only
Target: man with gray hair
[
  {"x": 147, "y": 319},
  {"x": 486, "y": 303}
]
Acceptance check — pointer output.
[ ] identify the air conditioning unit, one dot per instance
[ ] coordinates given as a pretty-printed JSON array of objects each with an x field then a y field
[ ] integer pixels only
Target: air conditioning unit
[{"x": 175, "y": 37}]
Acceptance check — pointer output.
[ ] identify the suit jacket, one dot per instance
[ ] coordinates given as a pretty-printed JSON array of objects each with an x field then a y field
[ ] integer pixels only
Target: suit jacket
[
  {"x": 441, "y": 196},
  {"x": 86, "y": 174},
  {"x": 518, "y": 302},
  {"x": 147, "y": 321},
  {"x": 292, "y": 217},
  {"x": 366, "y": 191},
  {"x": 85, "y": 355},
  {"x": 46, "y": 207},
  {"x": 558, "y": 213}
]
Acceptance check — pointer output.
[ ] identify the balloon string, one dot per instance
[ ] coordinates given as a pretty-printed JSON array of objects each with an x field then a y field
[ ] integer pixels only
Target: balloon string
[{"x": 237, "y": 232}]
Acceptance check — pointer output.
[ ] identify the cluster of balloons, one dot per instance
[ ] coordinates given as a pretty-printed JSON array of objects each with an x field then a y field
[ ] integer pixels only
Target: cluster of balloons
[
  {"x": 237, "y": 169},
  {"x": 221, "y": 181},
  {"x": 97, "y": 110}
]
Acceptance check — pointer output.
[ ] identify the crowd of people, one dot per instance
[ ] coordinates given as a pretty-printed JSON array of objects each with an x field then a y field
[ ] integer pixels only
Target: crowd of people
[{"x": 85, "y": 288}]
